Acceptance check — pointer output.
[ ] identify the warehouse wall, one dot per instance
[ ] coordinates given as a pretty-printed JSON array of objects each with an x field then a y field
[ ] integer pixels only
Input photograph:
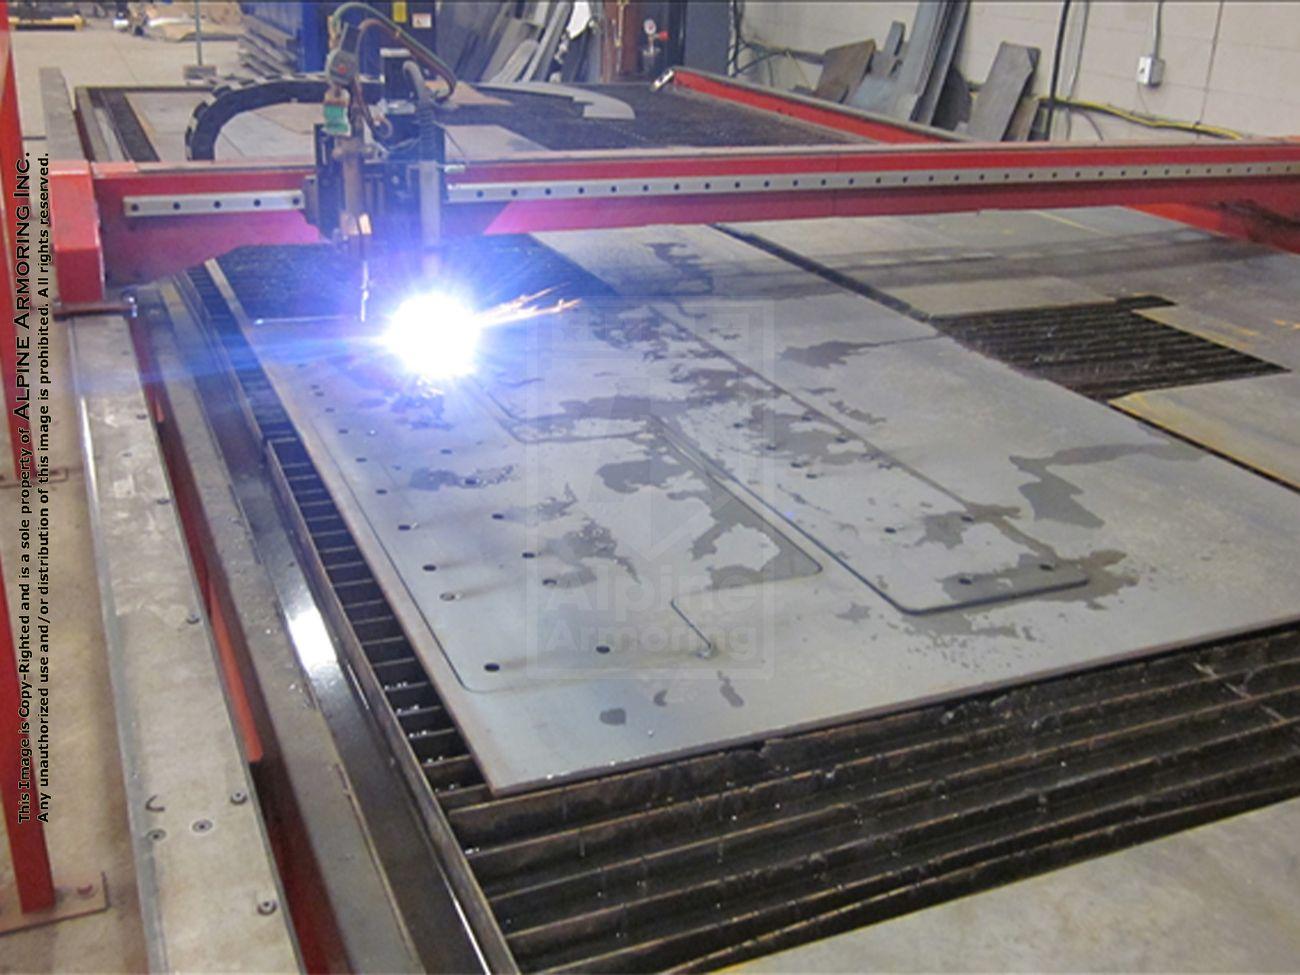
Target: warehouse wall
[{"x": 1231, "y": 63}]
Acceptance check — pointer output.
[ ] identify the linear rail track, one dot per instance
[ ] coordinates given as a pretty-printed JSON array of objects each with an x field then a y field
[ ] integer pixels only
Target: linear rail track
[{"x": 703, "y": 862}]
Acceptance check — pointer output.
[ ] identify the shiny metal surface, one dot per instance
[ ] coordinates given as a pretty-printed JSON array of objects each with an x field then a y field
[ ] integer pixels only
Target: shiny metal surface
[
  {"x": 207, "y": 204},
  {"x": 327, "y": 771},
  {"x": 558, "y": 534},
  {"x": 1231, "y": 292},
  {"x": 439, "y": 902},
  {"x": 208, "y": 884},
  {"x": 819, "y": 180}
]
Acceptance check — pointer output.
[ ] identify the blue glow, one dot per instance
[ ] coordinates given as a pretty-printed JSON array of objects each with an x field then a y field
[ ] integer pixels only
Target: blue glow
[{"x": 435, "y": 336}]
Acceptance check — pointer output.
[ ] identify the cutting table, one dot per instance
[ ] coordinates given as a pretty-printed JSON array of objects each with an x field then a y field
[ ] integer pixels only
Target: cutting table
[{"x": 884, "y": 517}]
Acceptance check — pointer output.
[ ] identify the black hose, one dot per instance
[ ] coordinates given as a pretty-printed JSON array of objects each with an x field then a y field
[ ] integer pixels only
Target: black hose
[
  {"x": 431, "y": 144},
  {"x": 1056, "y": 67},
  {"x": 737, "y": 35}
]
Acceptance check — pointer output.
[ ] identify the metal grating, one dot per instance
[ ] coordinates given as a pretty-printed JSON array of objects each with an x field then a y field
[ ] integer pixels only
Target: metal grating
[
  {"x": 701, "y": 863},
  {"x": 1104, "y": 350}
]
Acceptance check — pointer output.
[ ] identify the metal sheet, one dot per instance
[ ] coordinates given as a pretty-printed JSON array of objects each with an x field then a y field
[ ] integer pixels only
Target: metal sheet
[
  {"x": 164, "y": 115},
  {"x": 952, "y": 21},
  {"x": 1244, "y": 295},
  {"x": 877, "y": 87},
  {"x": 486, "y": 142},
  {"x": 908, "y": 539},
  {"x": 1253, "y": 421},
  {"x": 594, "y": 103},
  {"x": 600, "y": 439},
  {"x": 922, "y": 267},
  {"x": 1013, "y": 67},
  {"x": 843, "y": 68}
]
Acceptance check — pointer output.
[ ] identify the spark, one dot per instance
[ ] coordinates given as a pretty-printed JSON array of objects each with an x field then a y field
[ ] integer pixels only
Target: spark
[{"x": 436, "y": 335}]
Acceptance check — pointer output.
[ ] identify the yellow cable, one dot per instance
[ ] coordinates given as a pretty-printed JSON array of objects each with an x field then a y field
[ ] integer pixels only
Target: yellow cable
[{"x": 1152, "y": 121}]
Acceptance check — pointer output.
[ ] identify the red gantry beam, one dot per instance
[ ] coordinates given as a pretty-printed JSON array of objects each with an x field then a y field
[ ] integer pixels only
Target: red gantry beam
[
  {"x": 156, "y": 219},
  {"x": 841, "y": 181}
]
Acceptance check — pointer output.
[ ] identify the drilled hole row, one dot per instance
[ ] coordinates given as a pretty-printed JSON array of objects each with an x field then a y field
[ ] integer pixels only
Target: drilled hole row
[
  {"x": 178, "y": 205},
  {"x": 900, "y": 179}
]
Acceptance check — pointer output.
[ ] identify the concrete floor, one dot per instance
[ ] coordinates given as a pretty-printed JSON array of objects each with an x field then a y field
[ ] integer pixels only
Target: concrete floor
[
  {"x": 1224, "y": 897},
  {"x": 102, "y": 56}
]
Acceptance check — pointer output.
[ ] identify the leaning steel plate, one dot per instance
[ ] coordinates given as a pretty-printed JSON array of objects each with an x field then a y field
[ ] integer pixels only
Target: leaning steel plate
[{"x": 737, "y": 500}]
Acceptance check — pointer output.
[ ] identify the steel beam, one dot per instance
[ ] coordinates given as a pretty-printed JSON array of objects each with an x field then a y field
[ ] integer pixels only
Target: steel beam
[
  {"x": 209, "y": 890},
  {"x": 621, "y": 190},
  {"x": 530, "y": 195}
]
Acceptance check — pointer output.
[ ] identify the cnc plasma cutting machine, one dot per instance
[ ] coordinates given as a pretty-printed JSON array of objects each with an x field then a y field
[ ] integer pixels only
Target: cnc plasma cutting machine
[{"x": 640, "y": 527}]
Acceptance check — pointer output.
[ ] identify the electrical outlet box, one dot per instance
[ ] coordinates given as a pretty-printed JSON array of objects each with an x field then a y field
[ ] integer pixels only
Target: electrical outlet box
[{"x": 1151, "y": 71}]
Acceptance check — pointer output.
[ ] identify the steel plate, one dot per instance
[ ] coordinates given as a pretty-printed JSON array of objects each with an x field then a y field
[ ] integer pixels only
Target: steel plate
[
  {"x": 1253, "y": 421},
  {"x": 652, "y": 455}
]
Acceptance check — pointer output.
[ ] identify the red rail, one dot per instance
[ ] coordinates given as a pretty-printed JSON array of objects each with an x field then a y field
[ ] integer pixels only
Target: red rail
[
  {"x": 703, "y": 187},
  {"x": 810, "y": 110}
]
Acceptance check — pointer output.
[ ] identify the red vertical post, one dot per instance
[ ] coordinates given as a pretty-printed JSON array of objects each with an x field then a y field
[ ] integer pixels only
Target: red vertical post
[
  {"x": 11, "y": 150},
  {"x": 18, "y": 781},
  {"x": 18, "y": 784}
]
